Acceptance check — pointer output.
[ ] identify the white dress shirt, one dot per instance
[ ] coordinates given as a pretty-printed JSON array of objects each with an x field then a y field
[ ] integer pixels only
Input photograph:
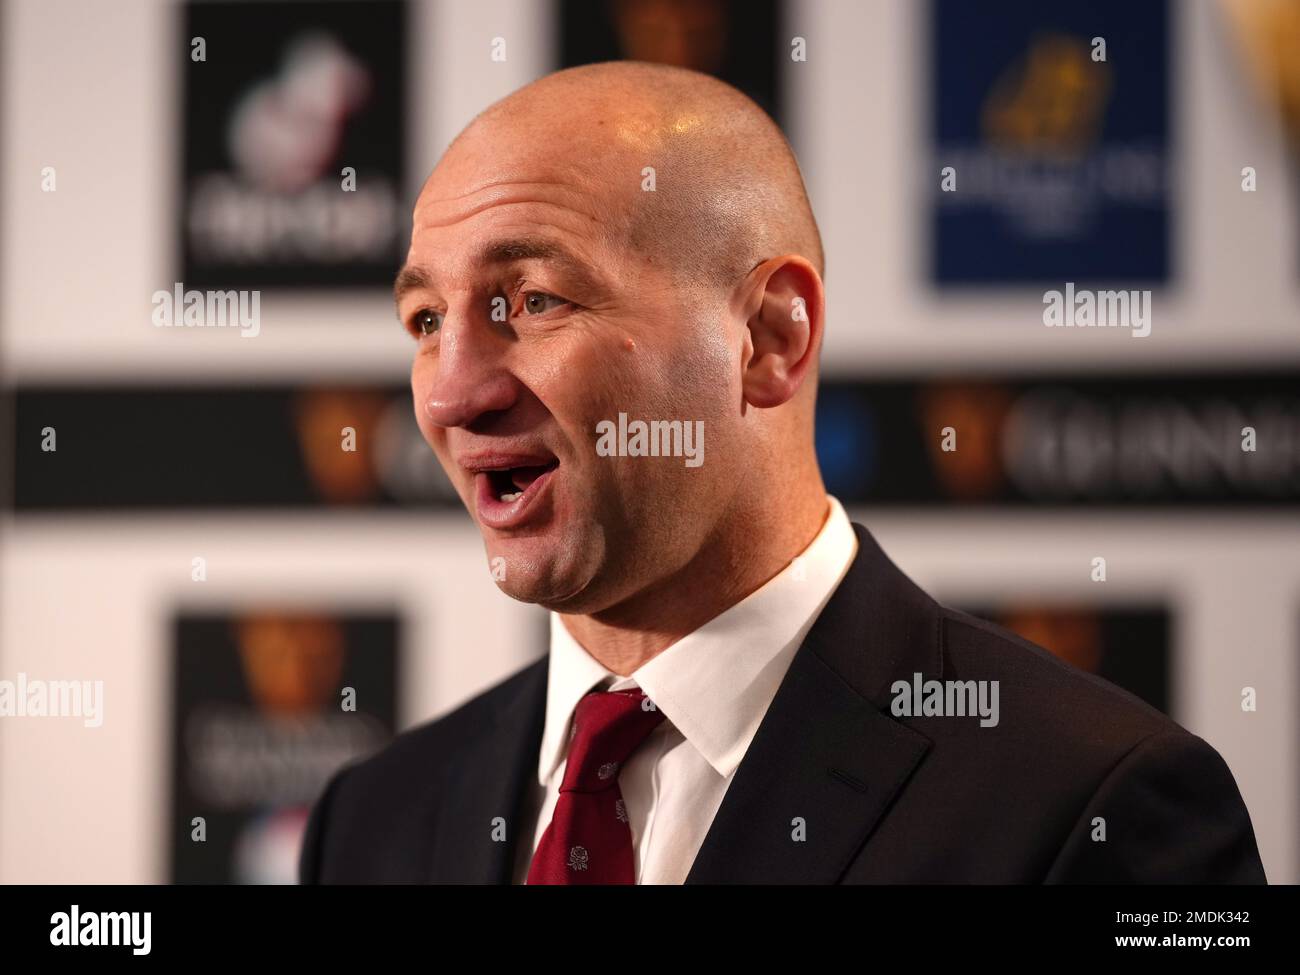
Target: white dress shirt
[{"x": 714, "y": 686}]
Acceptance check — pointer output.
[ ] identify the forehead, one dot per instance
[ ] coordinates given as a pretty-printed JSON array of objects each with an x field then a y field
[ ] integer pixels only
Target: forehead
[
  {"x": 510, "y": 211},
  {"x": 578, "y": 177},
  {"x": 573, "y": 177}
]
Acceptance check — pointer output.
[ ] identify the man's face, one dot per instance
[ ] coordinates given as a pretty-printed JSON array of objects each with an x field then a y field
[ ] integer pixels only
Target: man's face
[{"x": 533, "y": 323}]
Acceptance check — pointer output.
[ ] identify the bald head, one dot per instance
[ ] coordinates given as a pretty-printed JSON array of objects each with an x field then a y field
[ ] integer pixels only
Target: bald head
[{"x": 727, "y": 190}]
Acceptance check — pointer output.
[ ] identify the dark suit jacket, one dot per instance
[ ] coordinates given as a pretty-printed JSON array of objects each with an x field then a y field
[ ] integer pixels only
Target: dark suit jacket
[{"x": 881, "y": 798}]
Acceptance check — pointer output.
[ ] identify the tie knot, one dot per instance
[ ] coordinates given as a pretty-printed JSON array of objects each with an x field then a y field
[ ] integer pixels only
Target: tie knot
[{"x": 608, "y": 727}]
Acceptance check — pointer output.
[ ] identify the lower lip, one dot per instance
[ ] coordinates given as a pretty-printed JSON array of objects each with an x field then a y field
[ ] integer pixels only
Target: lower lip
[{"x": 495, "y": 513}]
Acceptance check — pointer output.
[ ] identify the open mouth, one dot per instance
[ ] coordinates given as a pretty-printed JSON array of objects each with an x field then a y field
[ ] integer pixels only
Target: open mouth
[
  {"x": 511, "y": 484},
  {"x": 508, "y": 496}
]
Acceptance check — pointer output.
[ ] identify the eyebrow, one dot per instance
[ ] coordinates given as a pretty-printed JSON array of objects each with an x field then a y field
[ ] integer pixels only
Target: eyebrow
[
  {"x": 499, "y": 252},
  {"x": 410, "y": 278}
]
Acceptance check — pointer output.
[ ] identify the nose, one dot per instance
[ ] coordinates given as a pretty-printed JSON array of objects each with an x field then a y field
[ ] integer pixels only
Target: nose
[{"x": 469, "y": 376}]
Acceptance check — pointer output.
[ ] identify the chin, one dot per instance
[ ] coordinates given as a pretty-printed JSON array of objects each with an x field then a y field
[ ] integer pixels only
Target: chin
[
  {"x": 533, "y": 569},
  {"x": 545, "y": 592}
]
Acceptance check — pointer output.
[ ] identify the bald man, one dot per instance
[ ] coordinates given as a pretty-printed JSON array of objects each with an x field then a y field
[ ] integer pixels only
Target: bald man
[{"x": 614, "y": 293}]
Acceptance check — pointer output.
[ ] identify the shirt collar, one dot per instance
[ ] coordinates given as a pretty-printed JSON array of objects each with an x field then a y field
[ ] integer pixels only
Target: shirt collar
[{"x": 714, "y": 684}]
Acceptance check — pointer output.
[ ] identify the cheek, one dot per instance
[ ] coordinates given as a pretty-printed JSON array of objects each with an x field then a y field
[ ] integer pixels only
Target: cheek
[
  {"x": 680, "y": 370},
  {"x": 704, "y": 378},
  {"x": 585, "y": 381}
]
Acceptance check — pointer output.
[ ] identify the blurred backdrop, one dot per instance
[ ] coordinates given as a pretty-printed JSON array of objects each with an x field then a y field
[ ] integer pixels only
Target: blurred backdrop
[{"x": 187, "y": 521}]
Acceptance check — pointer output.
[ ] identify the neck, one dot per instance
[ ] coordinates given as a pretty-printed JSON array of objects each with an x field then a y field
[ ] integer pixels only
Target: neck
[{"x": 742, "y": 554}]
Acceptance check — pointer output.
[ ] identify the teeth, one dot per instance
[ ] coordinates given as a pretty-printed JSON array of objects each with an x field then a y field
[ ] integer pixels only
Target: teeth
[{"x": 513, "y": 496}]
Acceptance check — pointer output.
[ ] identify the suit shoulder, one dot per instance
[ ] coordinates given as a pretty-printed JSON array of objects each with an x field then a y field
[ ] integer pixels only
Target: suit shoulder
[
  {"x": 1048, "y": 695},
  {"x": 377, "y": 818},
  {"x": 426, "y": 746},
  {"x": 1067, "y": 742}
]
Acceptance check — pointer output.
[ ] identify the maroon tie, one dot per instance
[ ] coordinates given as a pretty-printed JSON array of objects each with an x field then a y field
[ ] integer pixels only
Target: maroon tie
[{"x": 588, "y": 840}]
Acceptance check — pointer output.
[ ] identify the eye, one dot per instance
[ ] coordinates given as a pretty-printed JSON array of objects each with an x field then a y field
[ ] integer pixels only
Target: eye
[
  {"x": 535, "y": 302},
  {"x": 426, "y": 321}
]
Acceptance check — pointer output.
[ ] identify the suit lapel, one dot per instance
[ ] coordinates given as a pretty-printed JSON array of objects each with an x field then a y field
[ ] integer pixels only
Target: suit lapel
[
  {"x": 828, "y": 759},
  {"x": 487, "y": 780}
]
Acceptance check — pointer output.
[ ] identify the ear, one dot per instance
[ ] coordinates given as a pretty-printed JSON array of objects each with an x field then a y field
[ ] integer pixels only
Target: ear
[{"x": 785, "y": 305}]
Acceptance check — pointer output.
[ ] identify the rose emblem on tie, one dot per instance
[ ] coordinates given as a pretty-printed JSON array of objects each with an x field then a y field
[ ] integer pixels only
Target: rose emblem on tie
[{"x": 578, "y": 858}]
